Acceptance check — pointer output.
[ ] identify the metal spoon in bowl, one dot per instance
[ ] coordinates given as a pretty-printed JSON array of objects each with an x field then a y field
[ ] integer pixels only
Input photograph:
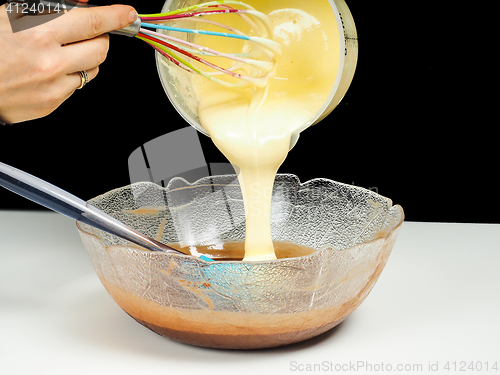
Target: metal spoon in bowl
[{"x": 61, "y": 201}]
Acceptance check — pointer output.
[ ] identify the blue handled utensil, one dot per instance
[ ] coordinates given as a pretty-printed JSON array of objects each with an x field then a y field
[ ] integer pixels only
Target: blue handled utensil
[{"x": 61, "y": 201}]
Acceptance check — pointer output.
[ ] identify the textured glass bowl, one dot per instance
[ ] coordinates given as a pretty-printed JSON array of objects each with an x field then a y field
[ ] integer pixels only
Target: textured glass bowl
[{"x": 235, "y": 304}]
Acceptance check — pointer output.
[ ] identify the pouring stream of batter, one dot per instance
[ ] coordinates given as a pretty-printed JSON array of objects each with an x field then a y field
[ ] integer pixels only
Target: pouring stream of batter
[{"x": 252, "y": 127}]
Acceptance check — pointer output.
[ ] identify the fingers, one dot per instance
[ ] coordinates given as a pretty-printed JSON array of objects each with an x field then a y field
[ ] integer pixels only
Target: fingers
[
  {"x": 36, "y": 102},
  {"x": 43, "y": 62},
  {"x": 60, "y": 91},
  {"x": 83, "y": 24},
  {"x": 75, "y": 79},
  {"x": 85, "y": 55}
]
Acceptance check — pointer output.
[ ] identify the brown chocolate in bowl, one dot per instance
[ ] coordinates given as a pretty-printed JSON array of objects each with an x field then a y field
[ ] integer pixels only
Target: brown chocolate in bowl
[
  {"x": 240, "y": 330},
  {"x": 229, "y": 330},
  {"x": 235, "y": 251}
]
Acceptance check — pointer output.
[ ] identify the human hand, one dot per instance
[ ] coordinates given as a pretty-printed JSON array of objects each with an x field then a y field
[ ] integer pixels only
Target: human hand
[{"x": 39, "y": 67}]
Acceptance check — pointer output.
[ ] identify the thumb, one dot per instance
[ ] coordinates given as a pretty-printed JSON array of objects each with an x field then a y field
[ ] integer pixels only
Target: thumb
[{"x": 87, "y": 23}]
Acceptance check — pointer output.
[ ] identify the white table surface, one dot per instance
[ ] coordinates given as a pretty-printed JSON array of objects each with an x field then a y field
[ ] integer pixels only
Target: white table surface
[{"x": 436, "y": 303}]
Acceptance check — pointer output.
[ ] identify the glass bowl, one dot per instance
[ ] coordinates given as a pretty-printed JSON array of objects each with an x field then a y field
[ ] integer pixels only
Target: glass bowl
[
  {"x": 236, "y": 304},
  {"x": 178, "y": 85}
]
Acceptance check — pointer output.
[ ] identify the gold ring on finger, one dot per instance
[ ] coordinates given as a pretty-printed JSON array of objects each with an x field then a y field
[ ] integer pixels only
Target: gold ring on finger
[{"x": 84, "y": 79}]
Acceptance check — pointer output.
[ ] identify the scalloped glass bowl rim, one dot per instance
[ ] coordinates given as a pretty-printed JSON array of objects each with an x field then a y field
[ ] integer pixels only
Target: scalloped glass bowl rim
[{"x": 322, "y": 249}]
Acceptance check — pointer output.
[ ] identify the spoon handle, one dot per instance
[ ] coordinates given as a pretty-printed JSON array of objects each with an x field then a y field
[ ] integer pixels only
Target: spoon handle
[
  {"x": 61, "y": 201},
  {"x": 41, "y": 192}
]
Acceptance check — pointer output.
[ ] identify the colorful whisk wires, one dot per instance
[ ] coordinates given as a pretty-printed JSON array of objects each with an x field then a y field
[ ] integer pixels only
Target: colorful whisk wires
[{"x": 185, "y": 54}]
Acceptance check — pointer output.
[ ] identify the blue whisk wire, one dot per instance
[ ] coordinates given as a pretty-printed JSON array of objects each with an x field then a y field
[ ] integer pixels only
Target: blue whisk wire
[{"x": 191, "y": 31}]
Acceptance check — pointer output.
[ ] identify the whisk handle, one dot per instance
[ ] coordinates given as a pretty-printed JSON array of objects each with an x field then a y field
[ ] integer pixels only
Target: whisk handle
[{"x": 131, "y": 30}]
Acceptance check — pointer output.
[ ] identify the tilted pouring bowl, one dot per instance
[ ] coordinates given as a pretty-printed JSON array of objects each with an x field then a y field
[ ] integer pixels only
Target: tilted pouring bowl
[{"x": 180, "y": 91}]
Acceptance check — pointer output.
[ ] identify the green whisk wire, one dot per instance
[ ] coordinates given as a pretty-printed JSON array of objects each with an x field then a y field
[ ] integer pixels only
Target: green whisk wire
[{"x": 173, "y": 48}]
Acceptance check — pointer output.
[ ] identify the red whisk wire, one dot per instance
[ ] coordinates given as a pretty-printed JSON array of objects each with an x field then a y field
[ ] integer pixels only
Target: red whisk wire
[
  {"x": 193, "y": 14},
  {"x": 188, "y": 54}
]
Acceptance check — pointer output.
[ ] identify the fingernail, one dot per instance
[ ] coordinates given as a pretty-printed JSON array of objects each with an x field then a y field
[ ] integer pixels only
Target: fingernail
[{"x": 132, "y": 16}]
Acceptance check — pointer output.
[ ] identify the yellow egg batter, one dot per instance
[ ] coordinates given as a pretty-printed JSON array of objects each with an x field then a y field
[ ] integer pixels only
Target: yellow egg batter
[{"x": 252, "y": 126}]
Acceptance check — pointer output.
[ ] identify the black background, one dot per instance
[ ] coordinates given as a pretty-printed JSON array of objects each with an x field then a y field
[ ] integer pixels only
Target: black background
[{"x": 417, "y": 123}]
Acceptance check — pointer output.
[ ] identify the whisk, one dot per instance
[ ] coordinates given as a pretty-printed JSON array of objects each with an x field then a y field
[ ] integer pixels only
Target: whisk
[{"x": 184, "y": 54}]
